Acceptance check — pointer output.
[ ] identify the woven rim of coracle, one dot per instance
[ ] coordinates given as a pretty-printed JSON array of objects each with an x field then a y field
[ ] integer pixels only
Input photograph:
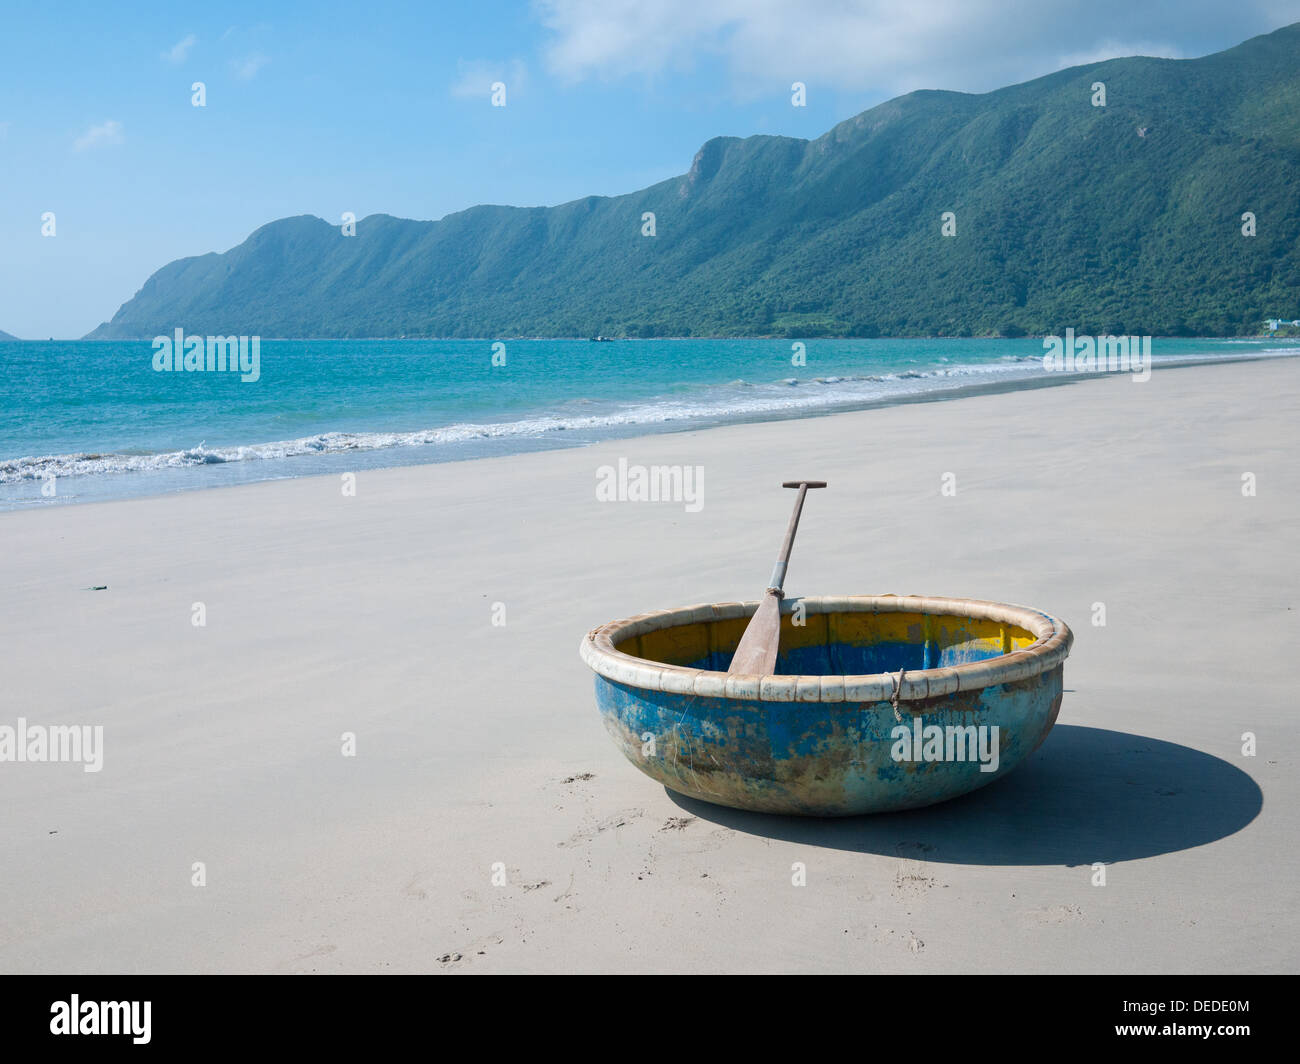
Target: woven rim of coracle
[{"x": 1051, "y": 646}]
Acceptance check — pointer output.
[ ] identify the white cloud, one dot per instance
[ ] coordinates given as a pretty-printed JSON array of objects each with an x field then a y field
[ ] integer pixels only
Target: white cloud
[
  {"x": 1114, "y": 50},
  {"x": 179, "y": 51},
  {"x": 474, "y": 77},
  {"x": 246, "y": 69},
  {"x": 887, "y": 46},
  {"x": 107, "y": 132}
]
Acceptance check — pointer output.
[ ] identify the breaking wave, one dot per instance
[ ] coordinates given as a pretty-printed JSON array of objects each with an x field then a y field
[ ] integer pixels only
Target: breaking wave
[{"x": 738, "y": 400}]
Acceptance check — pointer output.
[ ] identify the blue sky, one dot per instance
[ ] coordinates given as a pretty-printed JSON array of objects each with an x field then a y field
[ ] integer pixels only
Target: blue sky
[{"x": 385, "y": 107}]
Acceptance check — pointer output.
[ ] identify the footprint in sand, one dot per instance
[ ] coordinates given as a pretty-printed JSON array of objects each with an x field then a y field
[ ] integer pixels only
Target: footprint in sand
[
  {"x": 1055, "y": 916},
  {"x": 320, "y": 951},
  {"x": 911, "y": 879},
  {"x": 476, "y": 949},
  {"x": 618, "y": 820}
]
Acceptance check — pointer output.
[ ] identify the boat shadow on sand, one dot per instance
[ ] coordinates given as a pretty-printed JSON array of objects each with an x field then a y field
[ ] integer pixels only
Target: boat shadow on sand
[{"x": 1086, "y": 795}]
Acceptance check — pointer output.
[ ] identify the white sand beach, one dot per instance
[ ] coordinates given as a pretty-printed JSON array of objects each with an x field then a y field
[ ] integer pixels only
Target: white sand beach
[{"x": 478, "y": 744}]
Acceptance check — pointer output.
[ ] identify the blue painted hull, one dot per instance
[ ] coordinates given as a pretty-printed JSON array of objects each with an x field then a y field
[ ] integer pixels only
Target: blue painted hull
[
  {"x": 876, "y": 704},
  {"x": 819, "y": 759}
]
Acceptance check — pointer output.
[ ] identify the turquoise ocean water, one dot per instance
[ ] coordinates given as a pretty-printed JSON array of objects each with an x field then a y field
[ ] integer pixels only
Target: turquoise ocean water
[{"x": 100, "y": 418}]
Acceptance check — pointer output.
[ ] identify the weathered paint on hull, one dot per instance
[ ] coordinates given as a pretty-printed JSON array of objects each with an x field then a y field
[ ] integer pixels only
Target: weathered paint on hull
[
  {"x": 817, "y": 759},
  {"x": 820, "y": 739}
]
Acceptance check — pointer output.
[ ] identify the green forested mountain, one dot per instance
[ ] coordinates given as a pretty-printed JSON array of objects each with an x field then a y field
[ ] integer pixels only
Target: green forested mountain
[{"x": 1125, "y": 218}]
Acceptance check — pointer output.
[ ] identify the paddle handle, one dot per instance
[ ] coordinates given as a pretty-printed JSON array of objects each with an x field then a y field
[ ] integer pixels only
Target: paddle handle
[{"x": 777, "y": 582}]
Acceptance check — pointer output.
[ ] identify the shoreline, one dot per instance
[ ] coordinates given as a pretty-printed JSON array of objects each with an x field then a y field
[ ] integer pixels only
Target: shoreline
[
  {"x": 161, "y": 482},
  {"x": 88, "y": 339}
]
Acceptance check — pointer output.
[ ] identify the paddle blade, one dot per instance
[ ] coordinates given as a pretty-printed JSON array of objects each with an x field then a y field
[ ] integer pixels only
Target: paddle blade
[{"x": 756, "y": 653}]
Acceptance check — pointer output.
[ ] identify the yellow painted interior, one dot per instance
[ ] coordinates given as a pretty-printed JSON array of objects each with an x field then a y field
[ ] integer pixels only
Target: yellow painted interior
[{"x": 688, "y": 643}]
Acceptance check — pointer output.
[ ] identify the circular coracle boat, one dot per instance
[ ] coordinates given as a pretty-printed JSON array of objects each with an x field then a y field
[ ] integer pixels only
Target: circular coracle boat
[{"x": 878, "y": 703}]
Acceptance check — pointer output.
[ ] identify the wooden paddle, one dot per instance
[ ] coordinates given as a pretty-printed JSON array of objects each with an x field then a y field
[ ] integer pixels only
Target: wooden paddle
[{"x": 756, "y": 653}]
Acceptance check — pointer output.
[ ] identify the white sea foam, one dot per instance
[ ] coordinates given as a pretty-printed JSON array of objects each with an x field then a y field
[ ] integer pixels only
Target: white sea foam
[{"x": 736, "y": 401}]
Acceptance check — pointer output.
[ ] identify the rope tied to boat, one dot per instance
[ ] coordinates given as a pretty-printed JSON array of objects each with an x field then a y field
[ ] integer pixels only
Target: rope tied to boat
[{"x": 893, "y": 698}]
